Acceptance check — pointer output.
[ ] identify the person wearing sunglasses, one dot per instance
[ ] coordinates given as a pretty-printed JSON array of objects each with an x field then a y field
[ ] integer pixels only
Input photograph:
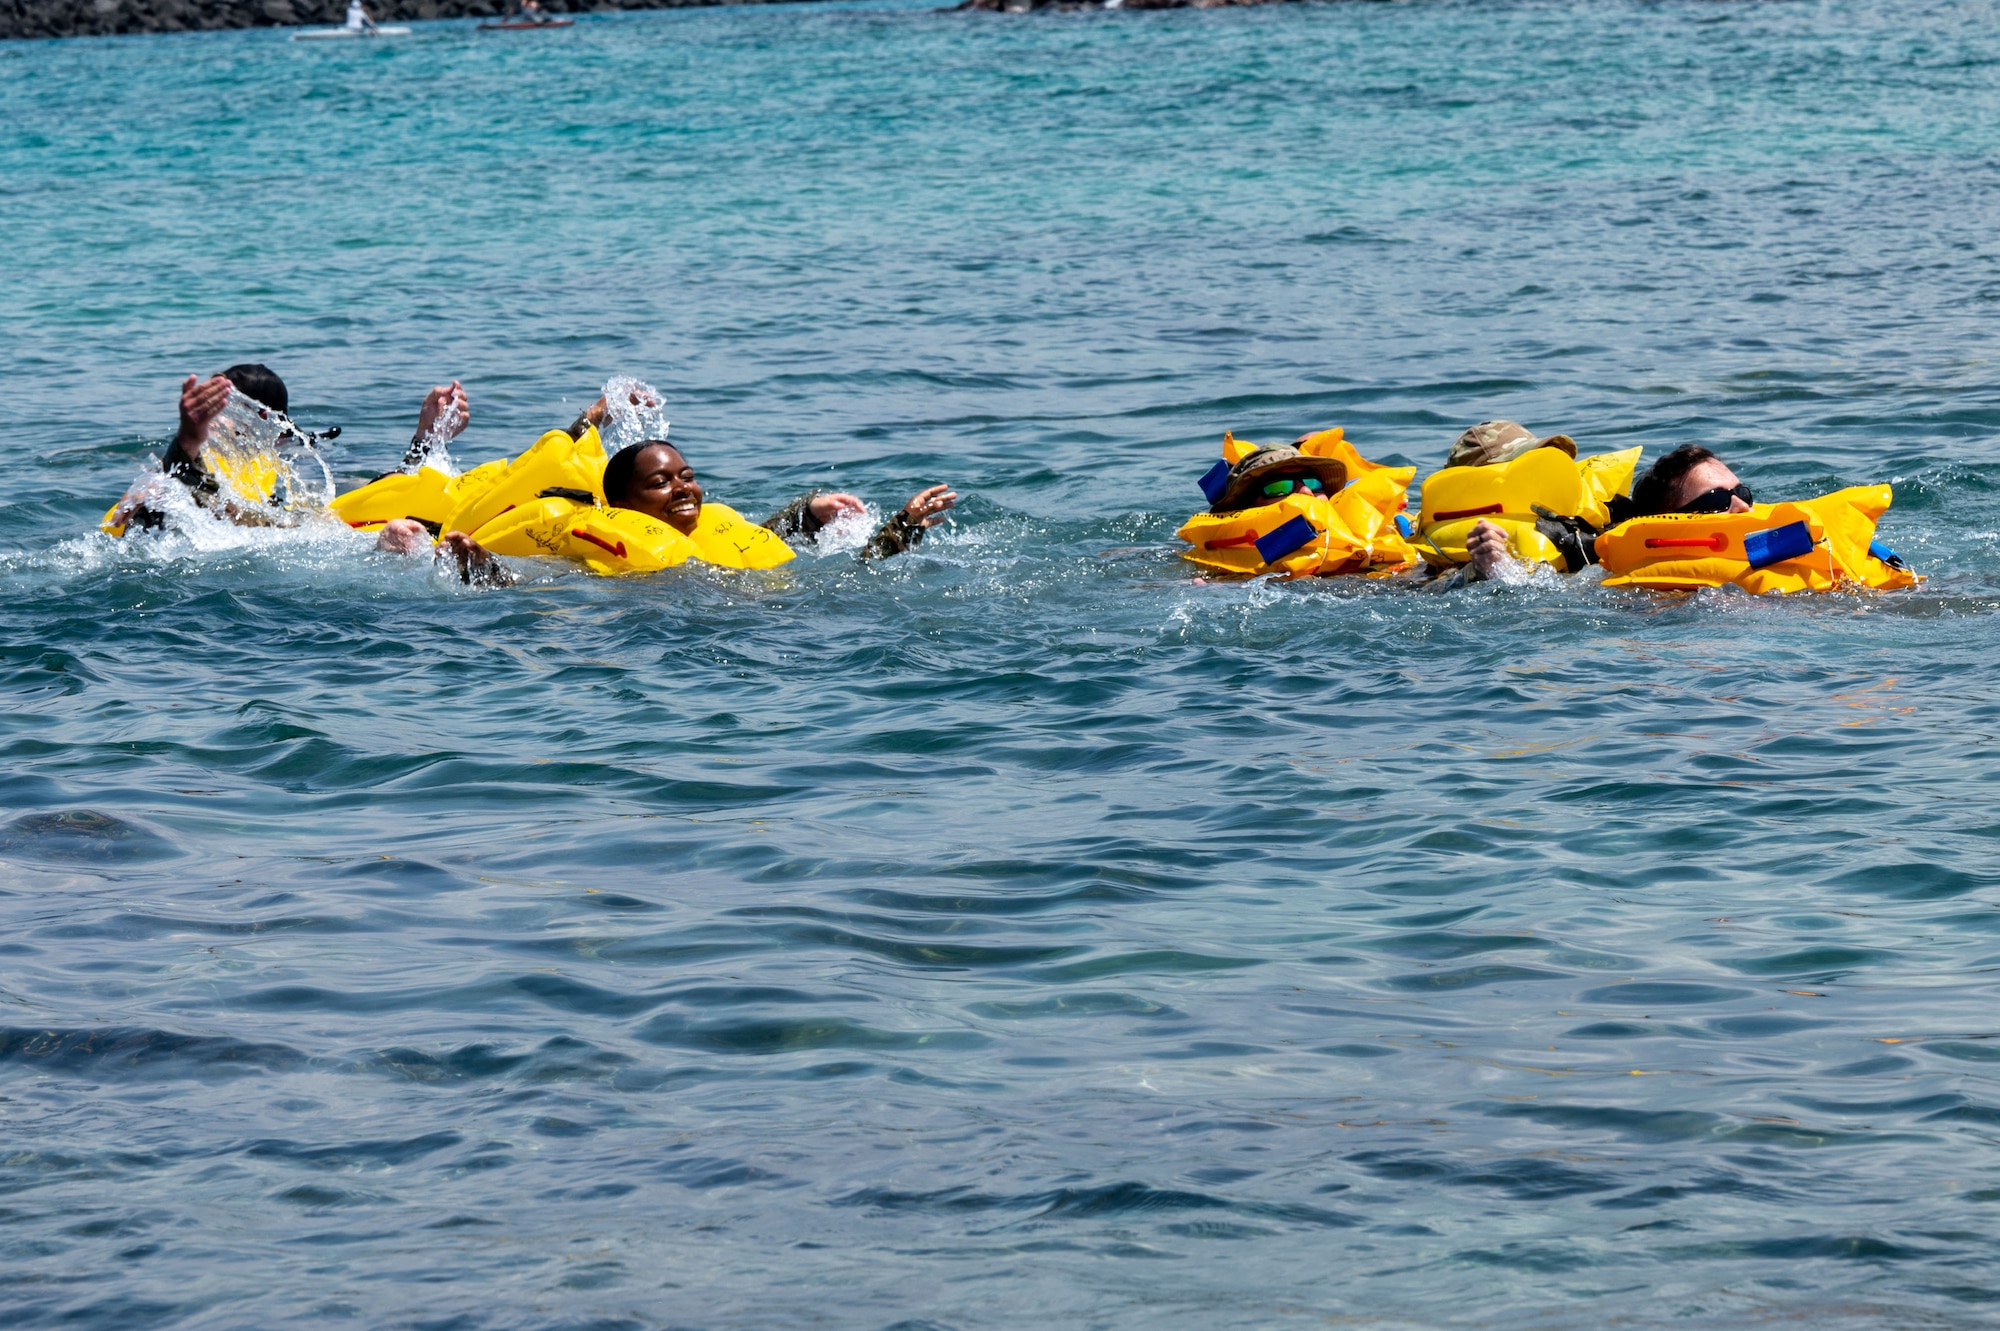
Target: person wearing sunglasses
[
  {"x": 1269, "y": 474},
  {"x": 1689, "y": 479}
]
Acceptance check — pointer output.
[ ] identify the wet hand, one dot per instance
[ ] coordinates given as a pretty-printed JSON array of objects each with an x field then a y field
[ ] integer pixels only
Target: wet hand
[
  {"x": 446, "y": 401},
  {"x": 825, "y": 508},
  {"x": 1488, "y": 546},
  {"x": 201, "y": 402},
  {"x": 402, "y": 536},
  {"x": 596, "y": 411},
  {"x": 474, "y": 561},
  {"x": 927, "y": 508}
]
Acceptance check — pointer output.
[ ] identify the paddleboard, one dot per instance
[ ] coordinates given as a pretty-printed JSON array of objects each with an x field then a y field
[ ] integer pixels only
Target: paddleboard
[
  {"x": 347, "y": 34},
  {"x": 526, "y": 27}
]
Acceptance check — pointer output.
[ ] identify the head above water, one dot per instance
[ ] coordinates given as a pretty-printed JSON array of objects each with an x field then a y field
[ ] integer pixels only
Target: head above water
[
  {"x": 1686, "y": 475},
  {"x": 1490, "y": 443},
  {"x": 261, "y": 385},
  {"x": 1269, "y": 474},
  {"x": 652, "y": 477}
]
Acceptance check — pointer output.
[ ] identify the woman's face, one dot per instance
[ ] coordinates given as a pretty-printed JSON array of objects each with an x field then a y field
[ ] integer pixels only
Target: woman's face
[{"x": 664, "y": 487}]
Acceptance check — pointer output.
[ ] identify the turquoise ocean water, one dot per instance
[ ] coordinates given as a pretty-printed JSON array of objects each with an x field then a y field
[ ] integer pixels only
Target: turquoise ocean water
[{"x": 1018, "y": 932}]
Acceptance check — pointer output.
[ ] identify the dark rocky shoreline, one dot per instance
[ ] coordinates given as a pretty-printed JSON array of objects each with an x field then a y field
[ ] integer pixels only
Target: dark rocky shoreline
[
  {"x": 104, "y": 18},
  {"x": 1069, "y": 6}
]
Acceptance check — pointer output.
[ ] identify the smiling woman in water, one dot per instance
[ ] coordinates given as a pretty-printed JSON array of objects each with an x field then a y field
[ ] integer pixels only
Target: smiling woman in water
[{"x": 667, "y": 518}]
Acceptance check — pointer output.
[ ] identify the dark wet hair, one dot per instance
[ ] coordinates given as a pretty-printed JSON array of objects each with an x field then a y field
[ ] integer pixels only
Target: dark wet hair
[
  {"x": 618, "y": 471},
  {"x": 1657, "y": 490},
  {"x": 259, "y": 383}
]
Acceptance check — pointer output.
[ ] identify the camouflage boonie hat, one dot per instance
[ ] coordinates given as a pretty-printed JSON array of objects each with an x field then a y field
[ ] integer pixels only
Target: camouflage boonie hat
[
  {"x": 1491, "y": 442},
  {"x": 1240, "y": 490}
]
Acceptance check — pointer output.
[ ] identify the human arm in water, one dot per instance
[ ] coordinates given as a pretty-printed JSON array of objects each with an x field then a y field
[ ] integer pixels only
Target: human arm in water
[
  {"x": 442, "y": 418},
  {"x": 475, "y": 563},
  {"x": 1487, "y": 546},
  {"x": 806, "y": 515},
  {"x": 202, "y": 400},
  {"x": 592, "y": 416},
  {"x": 1492, "y": 553}
]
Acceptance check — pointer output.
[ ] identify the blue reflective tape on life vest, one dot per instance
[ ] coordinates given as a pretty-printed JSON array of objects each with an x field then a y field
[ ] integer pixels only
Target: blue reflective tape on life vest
[
  {"x": 1765, "y": 548},
  {"x": 1886, "y": 555},
  {"x": 1214, "y": 480},
  {"x": 1405, "y": 526},
  {"x": 1284, "y": 540}
]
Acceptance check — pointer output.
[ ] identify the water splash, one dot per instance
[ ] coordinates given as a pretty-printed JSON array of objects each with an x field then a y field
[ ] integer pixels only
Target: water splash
[
  {"x": 270, "y": 468},
  {"x": 633, "y": 410},
  {"x": 432, "y": 448},
  {"x": 847, "y": 532},
  {"x": 266, "y": 472}
]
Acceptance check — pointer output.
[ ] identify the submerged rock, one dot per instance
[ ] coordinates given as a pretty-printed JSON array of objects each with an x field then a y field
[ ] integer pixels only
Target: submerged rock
[{"x": 81, "y": 836}]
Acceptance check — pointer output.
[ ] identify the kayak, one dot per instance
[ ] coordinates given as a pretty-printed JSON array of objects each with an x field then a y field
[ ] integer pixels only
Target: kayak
[
  {"x": 517, "y": 26},
  {"x": 343, "y": 34}
]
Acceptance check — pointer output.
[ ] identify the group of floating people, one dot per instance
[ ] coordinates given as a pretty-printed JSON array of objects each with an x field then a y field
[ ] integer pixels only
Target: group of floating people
[
  {"x": 236, "y": 456},
  {"x": 1506, "y": 502}
]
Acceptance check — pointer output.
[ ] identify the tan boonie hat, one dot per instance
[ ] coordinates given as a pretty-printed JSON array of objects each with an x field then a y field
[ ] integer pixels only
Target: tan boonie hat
[
  {"x": 1243, "y": 489},
  {"x": 1491, "y": 442}
]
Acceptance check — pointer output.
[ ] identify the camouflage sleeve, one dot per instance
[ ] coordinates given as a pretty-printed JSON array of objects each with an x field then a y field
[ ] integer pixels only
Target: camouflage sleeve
[
  {"x": 492, "y": 573},
  {"x": 796, "y": 519},
  {"x": 1442, "y": 581},
  {"x": 893, "y": 538}
]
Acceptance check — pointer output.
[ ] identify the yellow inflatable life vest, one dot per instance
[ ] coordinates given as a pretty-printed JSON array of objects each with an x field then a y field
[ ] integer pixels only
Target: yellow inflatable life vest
[
  {"x": 1309, "y": 535},
  {"x": 250, "y": 479},
  {"x": 470, "y": 500},
  {"x": 426, "y": 495},
  {"x": 506, "y": 507},
  {"x": 619, "y": 540},
  {"x": 1457, "y": 499},
  {"x": 1812, "y": 545},
  {"x": 554, "y": 461}
]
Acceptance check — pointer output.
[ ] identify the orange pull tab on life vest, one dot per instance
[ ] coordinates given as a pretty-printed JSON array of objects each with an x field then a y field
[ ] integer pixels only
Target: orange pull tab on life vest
[
  {"x": 598, "y": 541},
  {"x": 1453, "y": 515},
  {"x": 1718, "y": 542}
]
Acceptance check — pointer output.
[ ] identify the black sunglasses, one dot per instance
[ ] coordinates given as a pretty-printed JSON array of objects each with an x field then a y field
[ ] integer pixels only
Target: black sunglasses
[{"x": 1717, "y": 500}]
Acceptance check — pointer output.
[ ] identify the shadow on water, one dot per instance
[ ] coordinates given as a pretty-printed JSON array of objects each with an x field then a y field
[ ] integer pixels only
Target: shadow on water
[{"x": 83, "y": 837}]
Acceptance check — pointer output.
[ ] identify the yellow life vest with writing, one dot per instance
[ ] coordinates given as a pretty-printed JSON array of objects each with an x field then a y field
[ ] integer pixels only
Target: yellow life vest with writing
[
  {"x": 1309, "y": 535},
  {"x": 1457, "y": 499},
  {"x": 1812, "y": 545},
  {"x": 621, "y": 540},
  {"x": 428, "y": 495},
  {"x": 469, "y": 501}
]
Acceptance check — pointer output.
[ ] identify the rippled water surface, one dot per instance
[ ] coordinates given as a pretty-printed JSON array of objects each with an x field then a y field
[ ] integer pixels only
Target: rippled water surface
[{"x": 1018, "y": 932}]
